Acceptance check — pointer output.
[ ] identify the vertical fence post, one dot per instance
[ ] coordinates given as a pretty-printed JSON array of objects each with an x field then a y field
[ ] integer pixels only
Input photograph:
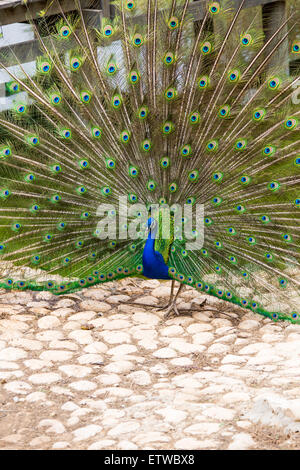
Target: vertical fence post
[
  {"x": 2, "y": 96},
  {"x": 274, "y": 14},
  {"x": 106, "y": 8}
]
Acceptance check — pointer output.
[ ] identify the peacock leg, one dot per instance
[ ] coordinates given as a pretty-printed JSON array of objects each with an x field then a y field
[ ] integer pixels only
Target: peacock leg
[
  {"x": 170, "y": 298},
  {"x": 172, "y": 307}
]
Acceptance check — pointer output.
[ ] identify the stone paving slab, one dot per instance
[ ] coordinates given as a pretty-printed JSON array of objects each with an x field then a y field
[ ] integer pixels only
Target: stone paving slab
[{"x": 88, "y": 371}]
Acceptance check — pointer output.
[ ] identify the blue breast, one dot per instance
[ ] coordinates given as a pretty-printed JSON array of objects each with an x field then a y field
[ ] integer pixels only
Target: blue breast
[{"x": 154, "y": 265}]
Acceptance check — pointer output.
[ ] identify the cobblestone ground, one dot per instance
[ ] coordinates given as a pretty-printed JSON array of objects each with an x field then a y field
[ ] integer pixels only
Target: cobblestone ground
[{"x": 88, "y": 371}]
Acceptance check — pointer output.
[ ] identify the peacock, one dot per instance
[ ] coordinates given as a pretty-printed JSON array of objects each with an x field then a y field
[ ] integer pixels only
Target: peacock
[{"x": 150, "y": 146}]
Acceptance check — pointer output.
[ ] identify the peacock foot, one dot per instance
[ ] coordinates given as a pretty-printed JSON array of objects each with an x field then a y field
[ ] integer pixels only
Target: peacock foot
[
  {"x": 171, "y": 307},
  {"x": 163, "y": 307}
]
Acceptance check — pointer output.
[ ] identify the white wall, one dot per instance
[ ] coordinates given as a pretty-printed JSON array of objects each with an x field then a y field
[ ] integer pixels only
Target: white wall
[{"x": 13, "y": 34}]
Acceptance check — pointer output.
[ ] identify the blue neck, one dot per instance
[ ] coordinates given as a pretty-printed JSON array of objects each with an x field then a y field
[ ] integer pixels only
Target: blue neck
[{"x": 154, "y": 265}]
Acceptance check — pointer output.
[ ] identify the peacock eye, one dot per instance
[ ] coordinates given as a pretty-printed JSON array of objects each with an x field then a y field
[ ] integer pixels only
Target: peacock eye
[
  {"x": 168, "y": 127},
  {"x": 239, "y": 208},
  {"x": 190, "y": 200},
  {"x": 75, "y": 63},
  {"x": 233, "y": 75},
  {"x": 274, "y": 185},
  {"x": 193, "y": 175},
  {"x": 240, "y": 145},
  {"x": 133, "y": 171},
  {"x": 286, "y": 237},
  {"x": 143, "y": 112},
  {"x": 44, "y": 66},
  {"x": 56, "y": 168},
  {"x": 110, "y": 164},
  {"x": 56, "y": 198},
  {"x": 265, "y": 219},
  {"x": 274, "y": 83},
  {"x": 137, "y": 40},
  {"x": 268, "y": 150},
  {"x": 214, "y": 8},
  {"x": 108, "y": 31},
  {"x": 117, "y": 101},
  {"x": 206, "y": 48},
  {"x": 296, "y": 47},
  {"x": 5, "y": 152},
  {"x": 55, "y": 98},
  {"x": 245, "y": 179},
  {"x": 29, "y": 178},
  {"x": 66, "y": 133},
  {"x": 173, "y": 23},
  {"x": 169, "y": 58},
  {"x": 173, "y": 187},
  {"x": 132, "y": 197},
  {"x": 283, "y": 282},
  {"x": 64, "y": 31},
  {"x": 170, "y": 94},
  {"x": 217, "y": 200},
  {"x": 13, "y": 87},
  {"x": 146, "y": 145},
  {"x": 130, "y": 5},
  {"x": 106, "y": 190},
  {"x": 165, "y": 162},
  {"x": 134, "y": 77},
  {"x": 246, "y": 40},
  {"x": 151, "y": 185},
  {"x": 212, "y": 145},
  {"x": 217, "y": 176},
  {"x": 96, "y": 132},
  {"x": 203, "y": 82},
  {"x": 21, "y": 109},
  {"x": 125, "y": 137},
  {"x": 83, "y": 164},
  {"x": 186, "y": 151},
  {"x": 111, "y": 68},
  {"x": 290, "y": 123},
  {"x": 85, "y": 96},
  {"x": 259, "y": 114},
  {"x": 194, "y": 117},
  {"x": 224, "y": 111}
]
